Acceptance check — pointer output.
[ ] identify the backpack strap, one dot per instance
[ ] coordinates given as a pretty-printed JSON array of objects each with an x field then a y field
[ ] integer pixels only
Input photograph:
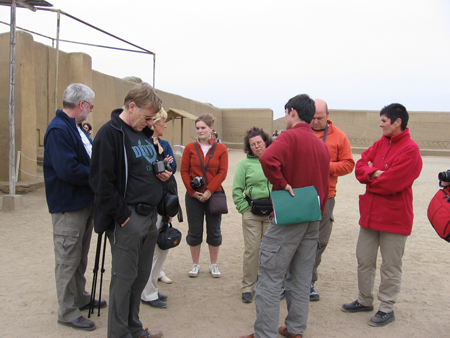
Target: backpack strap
[{"x": 447, "y": 196}]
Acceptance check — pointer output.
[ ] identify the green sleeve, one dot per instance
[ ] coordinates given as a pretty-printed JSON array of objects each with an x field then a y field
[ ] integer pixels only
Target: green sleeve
[{"x": 239, "y": 188}]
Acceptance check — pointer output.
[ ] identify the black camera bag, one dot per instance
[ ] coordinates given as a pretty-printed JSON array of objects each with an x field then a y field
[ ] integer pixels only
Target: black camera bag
[
  {"x": 170, "y": 204},
  {"x": 168, "y": 236},
  {"x": 260, "y": 207}
]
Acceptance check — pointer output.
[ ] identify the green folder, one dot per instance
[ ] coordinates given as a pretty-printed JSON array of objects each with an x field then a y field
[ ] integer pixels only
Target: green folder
[{"x": 301, "y": 208}]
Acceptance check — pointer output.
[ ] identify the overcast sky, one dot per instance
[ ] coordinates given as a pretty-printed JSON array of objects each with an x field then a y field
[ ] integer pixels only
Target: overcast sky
[{"x": 355, "y": 54}]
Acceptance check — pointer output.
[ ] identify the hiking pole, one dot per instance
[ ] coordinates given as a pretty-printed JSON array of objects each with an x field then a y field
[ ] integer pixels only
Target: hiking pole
[
  {"x": 95, "y": 275},
  {"x": 101, "y": 275}
]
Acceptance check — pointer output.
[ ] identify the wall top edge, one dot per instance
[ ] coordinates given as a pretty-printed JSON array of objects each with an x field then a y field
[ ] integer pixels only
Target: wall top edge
[{"x": 378, "y": 111}]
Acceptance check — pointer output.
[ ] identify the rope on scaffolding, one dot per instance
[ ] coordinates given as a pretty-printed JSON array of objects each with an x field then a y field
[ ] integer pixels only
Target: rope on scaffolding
[
  {"x": 30, "y": 174},
  {"x": 30, "y": 158}
]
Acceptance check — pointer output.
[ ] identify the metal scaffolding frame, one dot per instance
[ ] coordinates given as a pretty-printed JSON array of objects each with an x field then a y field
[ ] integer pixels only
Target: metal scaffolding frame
[
  {"x": 30, "y": 4},
  {"x": 58, "y": 24}
]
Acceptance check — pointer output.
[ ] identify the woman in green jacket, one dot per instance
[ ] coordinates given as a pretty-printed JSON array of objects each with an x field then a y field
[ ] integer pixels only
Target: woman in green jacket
[{"x": 251, "y": 187}]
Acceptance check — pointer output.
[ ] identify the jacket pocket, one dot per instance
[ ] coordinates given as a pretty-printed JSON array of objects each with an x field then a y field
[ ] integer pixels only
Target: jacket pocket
[{"x": 364, "y": 209}]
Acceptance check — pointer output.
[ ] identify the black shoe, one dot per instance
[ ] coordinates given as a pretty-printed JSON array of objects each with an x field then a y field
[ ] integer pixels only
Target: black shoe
[
  {"x": 162, "y": 297},
  {"x": 146, "y": 334},
  {"x": 382, "y": 318},
  {"x": 155, "y": 303},
  {"x": 356, "y": 307},
  {"x": 282, "y": 293},
  {"x": 80, "y": 323},
  {"x": 247, "y": 297},
  {"x": 313, "y": 294},
  {"x": 102, "y": 305}
]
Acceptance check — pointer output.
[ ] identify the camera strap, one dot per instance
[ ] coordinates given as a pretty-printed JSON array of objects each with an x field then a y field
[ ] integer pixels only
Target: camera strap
[
  {"x": 325, "y": 133},
  {"x": 211, "y": 154}
]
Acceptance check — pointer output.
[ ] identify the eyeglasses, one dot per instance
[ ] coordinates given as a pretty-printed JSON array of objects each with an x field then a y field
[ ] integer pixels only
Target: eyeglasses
[
  {"x": 91, "y": 106},
  {"x": 254, "y": 145},
  {"x": 146, "y": 117}
]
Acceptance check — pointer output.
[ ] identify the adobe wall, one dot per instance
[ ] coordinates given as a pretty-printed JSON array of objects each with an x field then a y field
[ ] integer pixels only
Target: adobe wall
[
  {"x": 35, "y": 94},
  {"x": 25, "y": 107},
  {"x": 428, "y": 129},
  {"x": 236, "y": 124},
  {"x": 35, "y": 108}
]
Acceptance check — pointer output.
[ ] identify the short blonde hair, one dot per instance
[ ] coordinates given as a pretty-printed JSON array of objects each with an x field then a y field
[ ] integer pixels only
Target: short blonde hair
[{"x": 161, "y": 115}]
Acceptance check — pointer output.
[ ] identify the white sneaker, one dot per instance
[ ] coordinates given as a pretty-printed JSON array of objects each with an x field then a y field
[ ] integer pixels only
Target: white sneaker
[
  {"x": 214, "y": 270},
  {"x": 195, "y": 268},
  {"x": 165, "y": 279}
]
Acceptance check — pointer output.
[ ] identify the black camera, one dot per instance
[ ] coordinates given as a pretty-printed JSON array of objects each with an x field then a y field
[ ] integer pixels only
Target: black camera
[
  {"x": 444, "y": 176},
  {"x": 197, "y": 182},
  {"x": 160, "y": 166}
]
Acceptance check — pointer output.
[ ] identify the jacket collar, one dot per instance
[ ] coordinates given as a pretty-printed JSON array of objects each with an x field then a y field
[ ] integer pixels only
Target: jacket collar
[
  {"x": 211, "y": 141},
  {"x": 330, "y": 128},
  {"x": 398, "y": 137},
  {"x": 303, "y": 125},
  {"x": 70, "y": 120},
  {"x": 116, "y": 122}
]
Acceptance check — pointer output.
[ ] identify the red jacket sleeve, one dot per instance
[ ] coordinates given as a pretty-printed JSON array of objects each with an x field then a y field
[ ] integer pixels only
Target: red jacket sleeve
[{"x": 271, "y": 161}]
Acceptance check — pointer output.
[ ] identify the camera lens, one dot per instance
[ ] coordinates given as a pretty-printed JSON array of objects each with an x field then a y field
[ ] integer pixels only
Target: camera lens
[
  {"x": 167, "y": 166},
  {"x": 197, "y": 182},
  {"x": 444, "y": 176}
]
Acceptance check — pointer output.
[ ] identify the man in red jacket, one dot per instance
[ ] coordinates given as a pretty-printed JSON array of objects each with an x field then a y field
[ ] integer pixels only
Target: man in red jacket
[
  {"x": 341, "y": 163},
  {"x": 388, "y": 169},
  {"x": 297, "y": 159}
]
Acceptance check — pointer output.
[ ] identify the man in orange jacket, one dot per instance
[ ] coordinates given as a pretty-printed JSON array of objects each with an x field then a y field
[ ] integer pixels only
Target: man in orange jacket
[{"x": 341, "y": 163}]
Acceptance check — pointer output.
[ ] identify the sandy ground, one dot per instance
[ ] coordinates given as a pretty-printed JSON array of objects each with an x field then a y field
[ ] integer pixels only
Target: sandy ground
[{"x": 207, "y": 307}]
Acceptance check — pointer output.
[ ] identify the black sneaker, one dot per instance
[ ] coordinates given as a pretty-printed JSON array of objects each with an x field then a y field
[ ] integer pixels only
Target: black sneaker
[
  {"x": 155, "y": 303},
  {"x": 382, "y": 318},
  {"x": 247, "y": 297},
  {"x": 282, "y": 293},
  {"x": 313, "y": 294},
  {"x": 356, "y": 307},
  {"x": 162, "y": 297}
]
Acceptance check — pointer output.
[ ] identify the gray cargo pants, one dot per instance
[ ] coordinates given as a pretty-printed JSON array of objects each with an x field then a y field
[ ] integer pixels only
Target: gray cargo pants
[
  {"x": 132, "y": 248},
  {"x": 291, "y": 250}
]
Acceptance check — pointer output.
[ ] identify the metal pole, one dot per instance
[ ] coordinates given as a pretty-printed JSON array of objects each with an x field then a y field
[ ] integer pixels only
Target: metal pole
[
  {"x": 58, "y": 20},
  {"x": 182, "y": 130},
  {"x": 173, "y": 129},
  {"x": 154, "y": 67},
  {"x": 12, "y": 82},
  {"x": 18, "y": 165}
]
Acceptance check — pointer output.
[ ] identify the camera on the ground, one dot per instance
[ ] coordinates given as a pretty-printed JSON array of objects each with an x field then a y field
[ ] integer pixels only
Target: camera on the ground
[
  {"x": 444, "y": 176},
  {"x": 161, "y": 166},
  {"x": 197, "y": 182}
]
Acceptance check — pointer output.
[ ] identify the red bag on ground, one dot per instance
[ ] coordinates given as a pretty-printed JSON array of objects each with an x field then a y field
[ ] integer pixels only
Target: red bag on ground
[{"x": 439, "y": 213}]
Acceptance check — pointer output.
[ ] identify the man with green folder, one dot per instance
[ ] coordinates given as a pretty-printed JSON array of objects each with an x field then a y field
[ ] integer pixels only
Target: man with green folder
[{"x": 297, "y": 159}]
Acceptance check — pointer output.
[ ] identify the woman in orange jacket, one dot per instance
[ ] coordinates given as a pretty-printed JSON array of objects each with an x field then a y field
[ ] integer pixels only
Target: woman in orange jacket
[{"x": 199, "y": 190}]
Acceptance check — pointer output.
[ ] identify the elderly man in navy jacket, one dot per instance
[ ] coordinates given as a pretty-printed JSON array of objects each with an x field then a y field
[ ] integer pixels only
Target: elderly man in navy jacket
[{"x": 70, "y": 200}]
